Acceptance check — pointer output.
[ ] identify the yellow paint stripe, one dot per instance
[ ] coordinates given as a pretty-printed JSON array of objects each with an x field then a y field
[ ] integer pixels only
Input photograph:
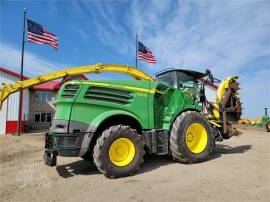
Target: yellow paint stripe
[{"x": 117, "y": 86}]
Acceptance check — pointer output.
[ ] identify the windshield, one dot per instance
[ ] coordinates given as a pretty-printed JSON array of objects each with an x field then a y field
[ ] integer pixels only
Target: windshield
[
  {"x": 188, "y": 84},
  {"x": 177, "y": 79},
  {"x": 168, "y": 79},
  {"x": 185, "y": 81}
]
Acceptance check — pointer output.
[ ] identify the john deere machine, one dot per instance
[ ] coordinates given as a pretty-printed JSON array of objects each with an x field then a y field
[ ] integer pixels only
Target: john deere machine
[
  {"x": 265, "y": 120},
  {"x": 116, "y": 122}
]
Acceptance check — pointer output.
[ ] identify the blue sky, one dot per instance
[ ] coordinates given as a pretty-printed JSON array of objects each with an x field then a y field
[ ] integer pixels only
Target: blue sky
[{"x": 229, "y": 37}]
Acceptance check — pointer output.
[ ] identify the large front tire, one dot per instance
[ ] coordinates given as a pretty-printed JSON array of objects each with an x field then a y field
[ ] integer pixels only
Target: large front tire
[
  {"x": 191, "y": 140},
  {"x": 119, "y": 151}
]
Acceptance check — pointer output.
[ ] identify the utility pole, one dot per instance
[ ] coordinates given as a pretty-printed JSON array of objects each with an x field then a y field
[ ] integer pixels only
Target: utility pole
[
  {"x": 21, "y": 78},
  {"x": 136, "y": 61}
]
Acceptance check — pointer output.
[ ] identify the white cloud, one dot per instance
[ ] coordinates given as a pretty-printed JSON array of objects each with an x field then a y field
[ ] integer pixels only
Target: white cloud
[
  {"x": 203, "y": 34},
  {"x": 107, "y": 30},
  {"x": 10, "y": 57},
  {"x": 83, "y": 33},
  {"x": 255, "y": 93},
  {"x": 226, "y": 36}
]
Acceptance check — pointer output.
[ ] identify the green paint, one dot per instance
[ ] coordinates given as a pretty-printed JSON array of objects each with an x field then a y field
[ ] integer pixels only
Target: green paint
[
  {"x": 154, "y": 105},
  {"x": 136, "y": 99}
]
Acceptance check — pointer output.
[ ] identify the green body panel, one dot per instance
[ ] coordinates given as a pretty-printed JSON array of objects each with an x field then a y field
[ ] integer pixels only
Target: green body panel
[
  {"x": 265, "y": 119},
  {"x": 153, "y": 105},
  {"x": 168, "y": 106},
  {"x": 92, "y": 111}
]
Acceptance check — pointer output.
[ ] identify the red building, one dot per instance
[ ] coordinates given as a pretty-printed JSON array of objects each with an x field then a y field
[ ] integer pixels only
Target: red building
[{"x": 38, "y": 104}]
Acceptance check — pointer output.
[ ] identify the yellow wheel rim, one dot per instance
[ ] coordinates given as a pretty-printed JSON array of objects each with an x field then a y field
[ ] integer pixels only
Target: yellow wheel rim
[
  {"x": 196, "y": 138},
  {"x": 122, "y": 152}
]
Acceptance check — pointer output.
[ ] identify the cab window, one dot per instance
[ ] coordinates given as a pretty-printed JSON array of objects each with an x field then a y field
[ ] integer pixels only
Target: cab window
[{"x": 168, "y": 79}]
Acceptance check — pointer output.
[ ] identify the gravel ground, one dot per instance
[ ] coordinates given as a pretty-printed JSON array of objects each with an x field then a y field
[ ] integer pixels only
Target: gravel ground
[{"x": 239, "y": 170}]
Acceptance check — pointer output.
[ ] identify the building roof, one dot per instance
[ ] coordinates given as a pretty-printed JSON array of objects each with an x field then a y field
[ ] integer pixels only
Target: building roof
[
  {"x": 48, "y": 86},
  {"x": 7, "y": 71}
]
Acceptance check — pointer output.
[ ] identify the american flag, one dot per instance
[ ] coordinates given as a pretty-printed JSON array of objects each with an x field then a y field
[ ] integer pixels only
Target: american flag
[
  {"x": 38, "y": 34},
  {"x": 146, "y": 54}
]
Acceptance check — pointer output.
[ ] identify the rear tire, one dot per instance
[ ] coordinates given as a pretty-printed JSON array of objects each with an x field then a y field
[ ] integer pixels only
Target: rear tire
[
  {"x": 119, "y": 151},
  {"x": 191, "y": 140}
]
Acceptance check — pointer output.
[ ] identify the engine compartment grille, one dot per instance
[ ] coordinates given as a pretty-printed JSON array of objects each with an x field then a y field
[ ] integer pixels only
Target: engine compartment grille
[
  {"x": 70, "y": 90},
  {"x": 104, "y": 94}
]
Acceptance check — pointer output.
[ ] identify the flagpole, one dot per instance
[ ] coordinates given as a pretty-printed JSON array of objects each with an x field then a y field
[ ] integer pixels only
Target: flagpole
[
  {"x": 136, "y": 63},
  {"x": 21, "y": 78}
]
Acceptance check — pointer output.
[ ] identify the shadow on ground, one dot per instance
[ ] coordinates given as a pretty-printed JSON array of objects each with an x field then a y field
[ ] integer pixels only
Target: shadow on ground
[
  {"x": 151, "y": 162},
  {"x": 221, "y": 149},
  {"x": 81, "y": 167},
  {"x": 84, "y": 167}
]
